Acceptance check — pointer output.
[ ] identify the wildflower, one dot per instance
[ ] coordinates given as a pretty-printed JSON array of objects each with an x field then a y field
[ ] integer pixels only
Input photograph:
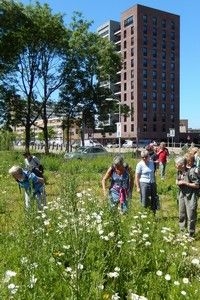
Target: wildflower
[
  {"x": 111, "y": 234},
  {"x": 33, "y": 281},
  {"x": 66, "y": 247},
  {"x": 147, "y": 244},
  {"x": 195, "y": 261},
  {"x": 132, "y": 296},
  {"x": 116, "y": 269},
  {"x": 159, "y": 273},
  {"x": 185, "y": 280},
  {"x": 80, "y": 266},
  {"x": 8, "y": 275},
  {"x": 183, "y": 293},
  {"x": 113, "y": 274},
  {"x": 79, "y": 195},
  {"x": 115, "y": 297},
  {"x": 176, "y": 283},
  {"x": 13, "y": 288},
  {"x": 167, "y": 277},
  {"x": 47, "y": 222}
]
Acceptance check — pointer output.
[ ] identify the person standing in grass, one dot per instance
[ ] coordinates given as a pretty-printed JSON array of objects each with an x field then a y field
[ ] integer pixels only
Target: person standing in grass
[
  {"x": 162, "y": 156},
  {"x": 34, "y": 187},
  {"x": 188, "y": 182},
  {"x": 145, "y": 181},
  {"x": 121, "y": 183}
]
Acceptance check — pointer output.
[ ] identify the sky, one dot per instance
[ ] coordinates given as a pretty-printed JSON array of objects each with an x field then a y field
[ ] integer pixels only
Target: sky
[{"x": 188, "y": 10}]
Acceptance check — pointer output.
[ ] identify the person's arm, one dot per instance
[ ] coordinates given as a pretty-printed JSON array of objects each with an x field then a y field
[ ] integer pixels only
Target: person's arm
[
  {"x": 137, "y": 182},
  {"x": 131, "y": 175},
  {"x": 105, "y": 178}
]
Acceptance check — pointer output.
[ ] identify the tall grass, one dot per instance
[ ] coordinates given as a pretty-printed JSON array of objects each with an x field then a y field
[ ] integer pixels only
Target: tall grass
[{"x": 78, "y": 249}]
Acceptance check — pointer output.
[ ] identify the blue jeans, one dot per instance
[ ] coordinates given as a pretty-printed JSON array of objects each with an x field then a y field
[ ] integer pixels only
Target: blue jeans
[{"x": 148, "y": 194}]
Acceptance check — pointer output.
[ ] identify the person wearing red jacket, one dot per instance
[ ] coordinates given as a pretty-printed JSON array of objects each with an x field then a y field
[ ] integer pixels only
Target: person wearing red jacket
[{"x": 162, "y": 155}]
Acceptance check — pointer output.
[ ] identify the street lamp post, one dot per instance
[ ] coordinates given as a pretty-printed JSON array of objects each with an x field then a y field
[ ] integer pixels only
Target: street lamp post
[{"x": 119, "y": 129}]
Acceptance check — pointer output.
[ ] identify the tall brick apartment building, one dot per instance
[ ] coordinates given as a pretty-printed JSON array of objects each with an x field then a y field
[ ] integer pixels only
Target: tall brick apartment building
[{"x": 149, "y": 42}]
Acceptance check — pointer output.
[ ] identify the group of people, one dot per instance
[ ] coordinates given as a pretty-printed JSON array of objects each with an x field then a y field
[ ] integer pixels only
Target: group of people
[
  {"x": 123, "y": 179},
  {"x": 31, "y": 180}
]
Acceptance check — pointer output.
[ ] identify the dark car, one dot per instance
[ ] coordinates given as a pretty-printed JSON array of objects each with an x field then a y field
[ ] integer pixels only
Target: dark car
[{"x": 84, "y": 152}]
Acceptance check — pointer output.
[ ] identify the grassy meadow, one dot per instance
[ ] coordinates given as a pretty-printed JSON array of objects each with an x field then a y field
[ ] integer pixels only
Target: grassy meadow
[{"x": 77, "y": 249}]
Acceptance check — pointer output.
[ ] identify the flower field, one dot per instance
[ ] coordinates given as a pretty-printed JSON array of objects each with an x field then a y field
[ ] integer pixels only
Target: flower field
[{"x": 77, "y": 249}]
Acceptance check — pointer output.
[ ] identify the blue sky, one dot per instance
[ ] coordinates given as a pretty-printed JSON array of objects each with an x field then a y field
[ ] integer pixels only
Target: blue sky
[{"x": 101, "y": 11}]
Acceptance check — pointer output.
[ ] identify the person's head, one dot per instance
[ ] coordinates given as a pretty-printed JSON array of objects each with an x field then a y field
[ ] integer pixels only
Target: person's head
[
  {"x": 189, "y": 159},
  {"x": 118, "y": 162},
  {"x": 16, "y": 172},
  {"x": 145, "y": 155},
  {"x": 180, "y": 163},
  {"x": 162, "y": 145}
]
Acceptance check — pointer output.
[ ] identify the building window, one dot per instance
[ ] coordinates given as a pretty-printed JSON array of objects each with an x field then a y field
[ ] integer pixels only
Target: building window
[
  {"x": 124, "y": 75},
  {"x": 145, "y": 62},
  {"x": 132, "y": 30},
  {"x": 154, "y": 128},
  {"x": 172, "y": 76},
  {"x": 154, "y": 31},
  {"x": 172, "y": 45},
  {"x": 132, "y": 73},
  {"x": 125, "y": 65},
  {"x": 144, "y": 128},
  {"x": 132, "y": 127},
  {"x": 172, "y": 86},
  {"x": 163, "y": 54},
  {"x": 132, "y": 51},
  {"x": 145, "y": 95},
  {"x": 154, "y": 117},
  {"x": 154, "y": 42},
  {"x": 154, "y": 53},
  {"x": 164, "y": 45},
  {"x": 163, "y": 23},
  {"x": 125, "y": 128},
  {"x": 144, "y": 84},
  {"x": 144, "y": 72},
  {"x": 132, "y": 63},
  {"x": 163, "y": 107},
  {"x": 172, "y": 35},
  {"x": 163, "y": 75},
  {"x": 154, "y": 20},
  {"x": 163, "y": 65},
  {"x": 172, "y": 118},
  {"x": 144, "y": 40},
  {"x": 164, "y": 34},
  {"x": 163, "y": 128},
  {"x": 124, "y": 34},
  {"x": 163, "y": 97},
  {"x": 144, "y": 50},
  {"x": 154, "y": 74},
  {"x": 172, "y": 97},
  {"x": 132, "y": 85},
  {"x": 154, "y": 84},
  {"x": 128, "y": 21},
  {"x": 125, "y": 86},
  {"x": 154, "y": 106},
  {"x": 172, "y": 25},
  {"x": 164, "y": 86},
  {"x": 154, "y": 96},
  {"x": 125, "y": 97},
  {"x": 132, "y": 95},
  {"x": 124, "y": 54},
  {"x": 172, "y": 56},
  {"x": 172, "y": 107},
  {"x": 132, "y": 41},
  {"x": 145, "y": 117},
  {"x": 145, "y": 29},
  {"x": 163, "y": 117},
  {"x": 124, "y": 44},
  {"x": 172, "y": 65},
  {"x": 145, "y": 106},
  {"x": 154, "y": 63},
  {"x": 145, "y": 19}
]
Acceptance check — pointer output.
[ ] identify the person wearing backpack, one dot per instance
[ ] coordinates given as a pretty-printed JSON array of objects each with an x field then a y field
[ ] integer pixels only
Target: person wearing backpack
[
  {"x": 121, "y": 184},
  {"x": 33, "y": 186},
  {"x": 33, "y": 164}
]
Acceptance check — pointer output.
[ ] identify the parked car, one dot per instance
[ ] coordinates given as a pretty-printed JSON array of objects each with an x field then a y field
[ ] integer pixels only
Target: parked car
[
  {"x": 86, "y": 152},
  {"x": 129, "y": 144}
]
